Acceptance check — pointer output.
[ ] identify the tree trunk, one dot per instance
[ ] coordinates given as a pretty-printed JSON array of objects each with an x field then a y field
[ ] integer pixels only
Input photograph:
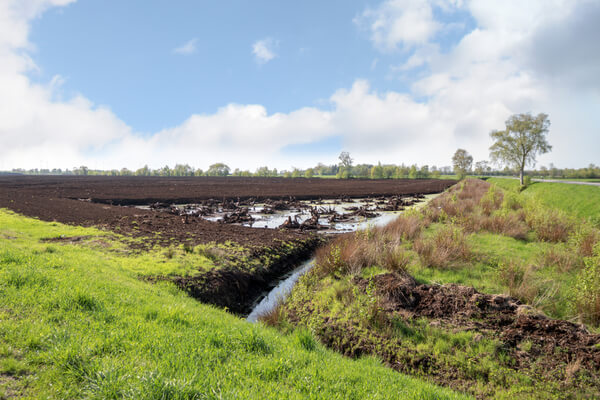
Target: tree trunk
[{"x": 521, "y": 176}]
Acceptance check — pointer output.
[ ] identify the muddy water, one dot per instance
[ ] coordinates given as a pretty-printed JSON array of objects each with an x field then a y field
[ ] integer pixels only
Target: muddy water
[
  {"x": 275, "y": 220},
  {"x": 280, "y": 292}
]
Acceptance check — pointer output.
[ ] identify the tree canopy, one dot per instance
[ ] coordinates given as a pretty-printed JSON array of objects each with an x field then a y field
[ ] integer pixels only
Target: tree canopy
[
  {"x": 462, "y": 161},
  {"x": 218, "y": 169},
  {"x": 521, "y": 141}
]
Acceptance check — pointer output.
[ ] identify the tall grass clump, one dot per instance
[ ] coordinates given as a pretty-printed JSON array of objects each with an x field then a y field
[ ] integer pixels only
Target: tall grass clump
[
  {"x": 274, "y": 317},
  {"x": 586, "y": 293},
  {"x": 562, "y": 258},
  {"x": 508, "y": 224},
  {"x": 519, "y": 281},
  {"x": 584, "y": 238},
  {"x": 448, "y": 244},
  {"x": 549, "y": 225},
  {"x": 350, "y": 254},
  {"x": 491, "y": 200},
  {"x": 405, "y": 227}
]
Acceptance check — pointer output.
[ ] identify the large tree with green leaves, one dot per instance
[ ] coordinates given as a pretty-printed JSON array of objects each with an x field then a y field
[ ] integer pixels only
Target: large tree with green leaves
[
  {"x": 218, "y": 169},
  {"x": 345, "y": 166},
  {"x": 462, "y": 162},
  {"x": 522, "y": 140}
]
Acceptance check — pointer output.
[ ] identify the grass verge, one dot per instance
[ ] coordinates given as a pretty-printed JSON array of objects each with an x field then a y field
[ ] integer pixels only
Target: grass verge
[{"x": 77, "y": 322}]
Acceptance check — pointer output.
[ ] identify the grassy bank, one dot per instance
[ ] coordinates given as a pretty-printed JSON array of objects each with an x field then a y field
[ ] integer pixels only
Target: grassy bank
[
  {"x": 362, "y": 297},
  {"x": 77, "y": 322},
  {"x": 577, "y": 200}
]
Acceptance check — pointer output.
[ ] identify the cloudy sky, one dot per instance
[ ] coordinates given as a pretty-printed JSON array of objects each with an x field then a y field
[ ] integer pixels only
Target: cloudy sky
[{"x": 113, "y": 83}]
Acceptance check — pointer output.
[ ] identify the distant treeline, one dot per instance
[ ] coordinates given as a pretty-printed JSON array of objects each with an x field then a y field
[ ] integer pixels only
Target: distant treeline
[
  {"x": 378, "y": 171},
  {"x": 591, "y": 172}
]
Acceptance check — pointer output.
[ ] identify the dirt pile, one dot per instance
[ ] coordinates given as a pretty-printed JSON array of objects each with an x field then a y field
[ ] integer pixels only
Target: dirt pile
[{"x": 454, "y": 307}]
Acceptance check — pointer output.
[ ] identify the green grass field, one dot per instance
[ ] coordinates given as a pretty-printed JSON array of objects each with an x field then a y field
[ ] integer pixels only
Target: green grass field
[
  {"x": 578, "y": 200},
  {"x": 77, "y": 322}
]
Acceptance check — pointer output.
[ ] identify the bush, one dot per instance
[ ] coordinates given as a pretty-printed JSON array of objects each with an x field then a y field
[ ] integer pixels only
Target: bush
[
  {"x": 549, "y": 225},
  {"x": 586, "y": 293},
  {"x": 511, "y": 201},
  {"x": 584, "y": 239},
  {"x": 519, "y": 281},
  {"x": 405, "y": 227},
  {"x": 491, "y": 201},
  {"x": 563, "y": 259},
  {"x": 448, "y": 244},
  {"x": 350, "y": 254},
  {"x": 507, "y": 224}
]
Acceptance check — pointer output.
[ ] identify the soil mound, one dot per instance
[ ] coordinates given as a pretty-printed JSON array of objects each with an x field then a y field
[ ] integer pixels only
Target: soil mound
[{"x": 498, "y": 316}]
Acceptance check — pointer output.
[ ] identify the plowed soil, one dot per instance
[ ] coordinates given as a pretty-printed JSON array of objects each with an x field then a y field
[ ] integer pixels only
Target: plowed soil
[{"x": 99, "y": 201}]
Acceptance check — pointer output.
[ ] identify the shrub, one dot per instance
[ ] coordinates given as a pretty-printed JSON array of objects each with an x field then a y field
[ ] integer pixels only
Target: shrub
[
  {"x": 519, "y": 281},
  {"x": 508, "y": 224},
  {"x": 562, "y": 259},
  {"x": 273, "y": 317},
  {"x": 350, "y": 254},
  {"x": 586, "y": 293},
  {"x": 329, "y": 260},
  {"x": 491, "y": 201},
  {"x": 405, "y": 227},
  {"x": 511, "y": 201},
  {"x": 549, "y": 225},
  {"x": 447, "y": 244},
  {"x": 393, "y": 259},
  {"x": 584, "y": 239}
]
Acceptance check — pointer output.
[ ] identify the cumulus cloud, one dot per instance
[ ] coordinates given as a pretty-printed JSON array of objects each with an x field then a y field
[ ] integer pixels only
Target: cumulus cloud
[
  {"x": 507, "y": 64},
  {"x": 187, "y": 48},
  {"x": 399, "y": 23},
  {"x": 264, "y": 50}
]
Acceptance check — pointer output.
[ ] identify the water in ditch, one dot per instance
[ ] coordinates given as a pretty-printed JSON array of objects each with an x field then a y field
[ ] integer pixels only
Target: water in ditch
[{"x": 280, "y": 292}]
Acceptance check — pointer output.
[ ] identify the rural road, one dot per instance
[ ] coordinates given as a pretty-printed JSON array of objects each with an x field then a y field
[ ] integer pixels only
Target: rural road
[
  {"x": 570, "y": 182},
  {"x": 560, "y": 181}
]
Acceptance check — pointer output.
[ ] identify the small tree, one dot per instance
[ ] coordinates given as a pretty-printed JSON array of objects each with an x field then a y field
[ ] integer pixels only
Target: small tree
[
  {"x": 462, "y": 161},
  {"x": 481, "y": 167},
  {"x": 377, "y": 171},
  {"x": 345, "y": 165},
  {"x": 413, "y": 173},
  {"x": 522, "y": 140},
  {"x": 218, "y": 169}
]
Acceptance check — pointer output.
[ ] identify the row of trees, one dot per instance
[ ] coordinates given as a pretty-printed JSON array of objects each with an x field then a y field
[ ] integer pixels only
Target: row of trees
[{"x": 515, "y": 147}]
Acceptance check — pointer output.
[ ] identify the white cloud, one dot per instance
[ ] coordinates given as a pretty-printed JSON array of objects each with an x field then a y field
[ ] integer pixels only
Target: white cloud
[
  {"x": 506, "y": 65},
  {"x": 264, "y": 50},
  {"x": 186, "y": 49},
  {"x": 399, "y": 23}
]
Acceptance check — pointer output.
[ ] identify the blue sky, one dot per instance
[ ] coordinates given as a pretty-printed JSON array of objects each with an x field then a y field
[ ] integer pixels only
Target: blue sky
[
  {"x": 125, "y": 53},
  {"x": 125, "y": 83}
]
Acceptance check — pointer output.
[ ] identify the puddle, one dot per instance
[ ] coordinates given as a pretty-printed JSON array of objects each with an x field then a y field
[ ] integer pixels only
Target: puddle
[{"x": 263, "y": 216}]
